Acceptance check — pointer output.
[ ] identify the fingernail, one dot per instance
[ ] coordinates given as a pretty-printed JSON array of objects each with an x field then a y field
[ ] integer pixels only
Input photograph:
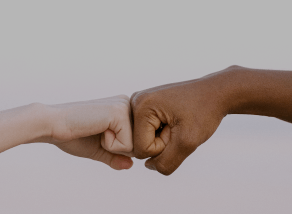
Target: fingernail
[{"x": 151, "y": 167}]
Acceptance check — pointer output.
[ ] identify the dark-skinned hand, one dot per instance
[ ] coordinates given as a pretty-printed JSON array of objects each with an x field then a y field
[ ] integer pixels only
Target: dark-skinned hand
[{"x": 171, "y": 121}]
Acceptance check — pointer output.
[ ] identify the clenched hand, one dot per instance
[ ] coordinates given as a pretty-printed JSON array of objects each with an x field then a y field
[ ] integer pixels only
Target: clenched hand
[{"x": 171, "y": 121}]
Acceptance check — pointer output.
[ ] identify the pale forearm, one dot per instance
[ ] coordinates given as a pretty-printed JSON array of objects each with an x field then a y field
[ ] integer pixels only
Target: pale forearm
[
  {"x": 22, "y": 125},
  {"x": 95, "y": 129}
]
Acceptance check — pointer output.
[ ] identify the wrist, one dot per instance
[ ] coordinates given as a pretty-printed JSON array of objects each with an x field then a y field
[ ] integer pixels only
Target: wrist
[
  {"x": 22, "y": 125},
  {"x": 223, "y": 89},
  {"x": 257, "y": 92},
  {"x": 234, "y": 82},
  {"x": 227, "y": 89},
  {"x": 40, "y": 117}
]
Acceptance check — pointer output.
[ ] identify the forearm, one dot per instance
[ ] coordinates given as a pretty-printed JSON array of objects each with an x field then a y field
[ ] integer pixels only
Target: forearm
[
  {"x": 22, "y": 125},
  {"x": 259, "y": 92}
]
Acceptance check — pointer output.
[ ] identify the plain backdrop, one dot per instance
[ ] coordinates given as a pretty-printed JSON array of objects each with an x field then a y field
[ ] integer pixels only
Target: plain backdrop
[{"x": 66, "y": 50}]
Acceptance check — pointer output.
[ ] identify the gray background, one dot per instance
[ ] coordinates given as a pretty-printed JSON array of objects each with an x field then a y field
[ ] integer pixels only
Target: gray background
[{"x": 61, "y": 51}]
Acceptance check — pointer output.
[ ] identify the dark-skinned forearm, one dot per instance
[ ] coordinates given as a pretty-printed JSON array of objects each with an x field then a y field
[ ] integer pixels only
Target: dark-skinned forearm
[{"x": 259, "y": 92}]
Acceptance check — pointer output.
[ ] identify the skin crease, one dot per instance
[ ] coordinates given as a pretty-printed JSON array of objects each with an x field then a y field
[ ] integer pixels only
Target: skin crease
[
  {"x": 191, "y": 111},
  {"x": 87, "y": 129}
]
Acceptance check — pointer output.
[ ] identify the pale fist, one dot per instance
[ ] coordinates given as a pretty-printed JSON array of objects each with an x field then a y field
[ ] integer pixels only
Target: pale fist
[{"x": 97, "y": 129}]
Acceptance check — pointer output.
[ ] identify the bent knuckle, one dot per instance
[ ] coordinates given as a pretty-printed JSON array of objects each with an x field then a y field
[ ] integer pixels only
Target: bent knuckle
[
  {"x": 132, "y": 99},
  {"x": 121, "y": 110},
  {"x": 128, "y": 148},
  {"x": 107, "y": 145},
  {"x": 141, "y": 99},
  {"x": 124, "y": 97},
  {"x": 140, "y": 154}
]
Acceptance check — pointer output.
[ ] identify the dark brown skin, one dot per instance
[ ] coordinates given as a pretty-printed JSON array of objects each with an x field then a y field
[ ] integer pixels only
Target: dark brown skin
[{"x": 191, "y": 111}]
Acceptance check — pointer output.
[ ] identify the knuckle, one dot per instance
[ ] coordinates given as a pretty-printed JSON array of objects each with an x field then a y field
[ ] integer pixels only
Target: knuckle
[
  {"x": 140, "y": 99},
  {"x": 107, "y": 145},
  {"x": 133, "y": 96},
  {"x": 128, "y": 148},
  {"x": 121, "y": 109},
  {"x": 140, "y": 154},
  {"x": 123, "y": 96}
]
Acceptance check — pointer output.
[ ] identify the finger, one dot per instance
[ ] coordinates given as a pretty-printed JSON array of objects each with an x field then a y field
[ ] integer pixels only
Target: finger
[
  {"x": 115, "y": 161},
  {"x": 118, "y": 137},
  {"x": 120, "y": 162},
  {"x": 146, "y": 144},
  {"x": 123, "y": 141},
  {"x": 111, "y": 143},
  {"x": 171, "y": 158},
  {"x": 89, "y": 147}
]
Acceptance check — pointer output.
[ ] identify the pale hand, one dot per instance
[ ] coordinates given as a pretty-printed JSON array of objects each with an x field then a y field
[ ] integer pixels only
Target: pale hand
[{"x": 97, "y": 129}]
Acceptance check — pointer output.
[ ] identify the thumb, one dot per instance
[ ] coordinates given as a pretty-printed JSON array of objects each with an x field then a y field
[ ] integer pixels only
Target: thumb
[
  {"x": 176, "y": 151},
  {"x": 115, "y": 161},
  {"x": 111, "y": 142},
  {"x": 146, "y": 143}
]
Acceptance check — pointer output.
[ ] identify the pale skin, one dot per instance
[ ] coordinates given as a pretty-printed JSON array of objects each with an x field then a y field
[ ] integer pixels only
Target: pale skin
[
  {"x": 171, "y": 121},
  {"x": 86, "y": 129}
]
